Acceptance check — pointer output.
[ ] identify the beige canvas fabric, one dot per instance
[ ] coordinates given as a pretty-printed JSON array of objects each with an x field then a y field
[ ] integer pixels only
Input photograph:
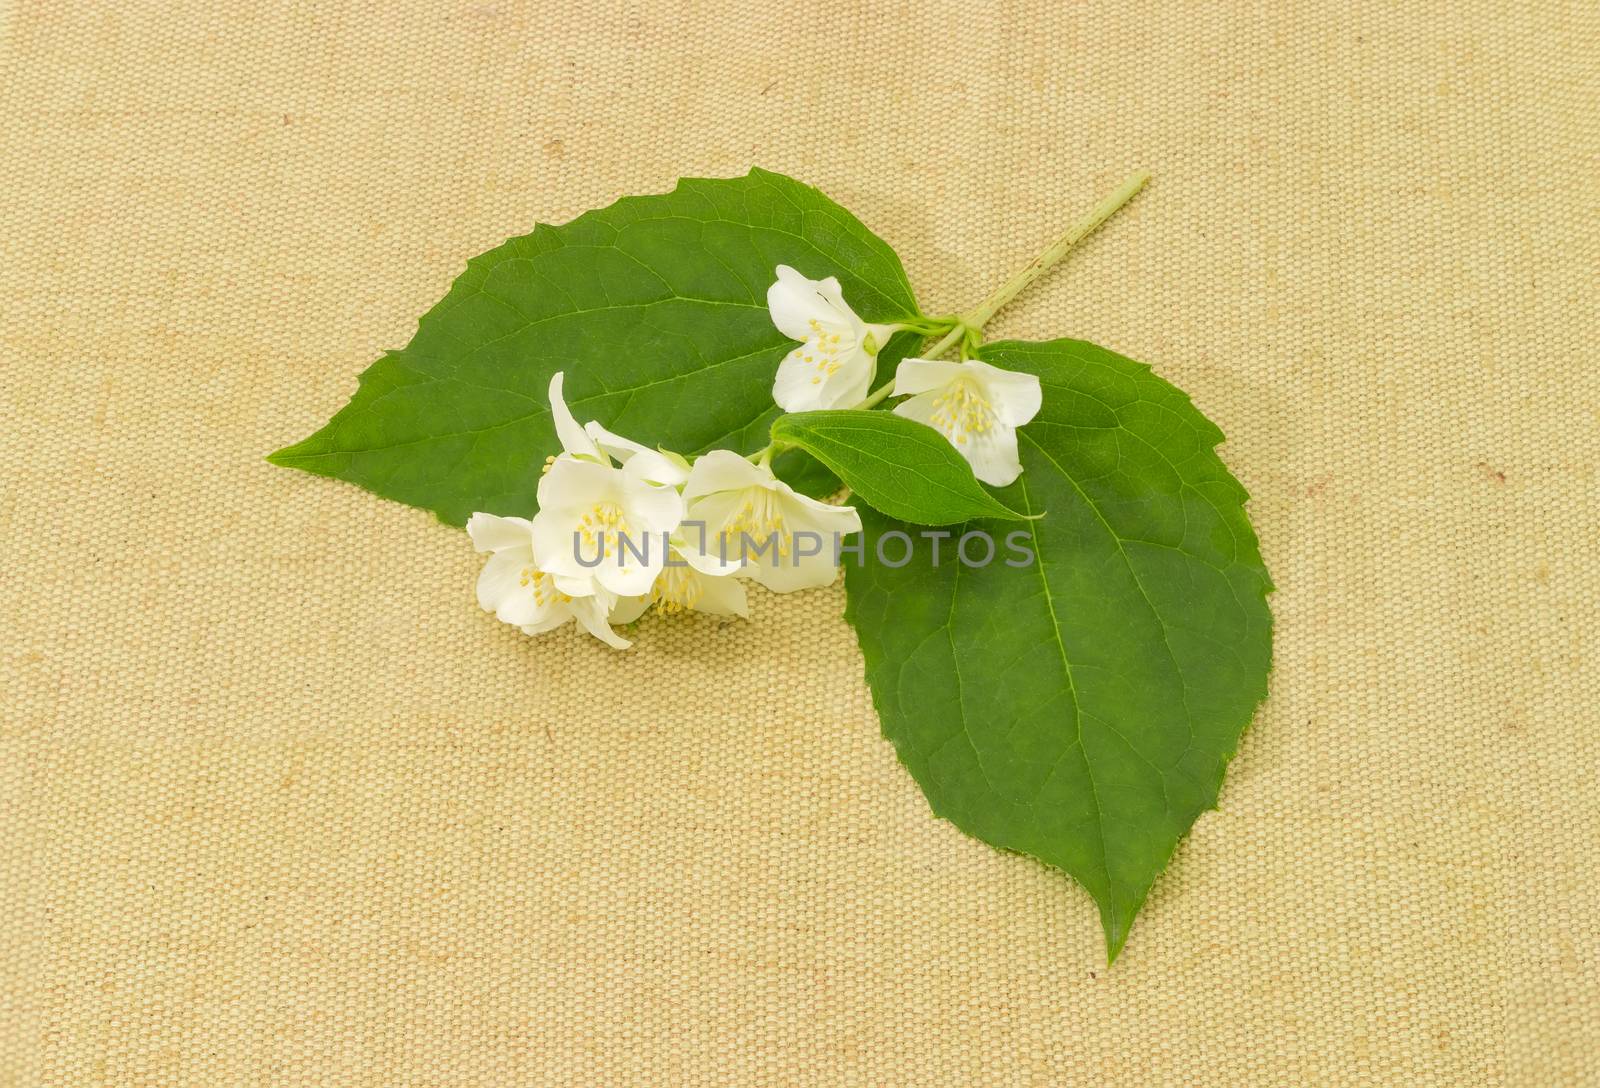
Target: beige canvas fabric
[{"x": 280, "y": 806}]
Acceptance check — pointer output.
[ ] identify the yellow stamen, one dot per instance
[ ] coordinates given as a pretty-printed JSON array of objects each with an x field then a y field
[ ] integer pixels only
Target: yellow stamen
[
  {"x": 677, "y": 589},
  {"x": 544, "y": 590},
  {"x": 760, "y": 516},
  {"x": 962, "y": 411},
  {"x": 602, "y": 529}
]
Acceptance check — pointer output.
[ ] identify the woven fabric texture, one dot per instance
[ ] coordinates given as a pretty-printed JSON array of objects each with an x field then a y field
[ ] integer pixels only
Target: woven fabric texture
[{"x": 280, "y": 806}]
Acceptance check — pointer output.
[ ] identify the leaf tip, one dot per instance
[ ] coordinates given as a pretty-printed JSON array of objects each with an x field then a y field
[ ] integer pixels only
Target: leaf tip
[
  {"x": 1117, "y": 930},
  {"x": 297, "y": 455}
]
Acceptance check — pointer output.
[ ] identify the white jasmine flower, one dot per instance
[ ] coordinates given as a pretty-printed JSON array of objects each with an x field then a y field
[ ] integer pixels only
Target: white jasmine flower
[
  {"x": 689, "y": 581},
  {"x": 739, "y": 512},
  {"x": 834, "y": 365},
  {"x": 598, "y": 526},
  {"x": 976, "y": 406},
  {"x": 518, "y": 592}
]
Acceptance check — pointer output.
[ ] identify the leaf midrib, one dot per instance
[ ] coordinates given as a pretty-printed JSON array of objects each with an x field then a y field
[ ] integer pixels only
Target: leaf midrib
[
  {"x": 1072, "y": 691},
  {"x": 1144, "y": 594}
]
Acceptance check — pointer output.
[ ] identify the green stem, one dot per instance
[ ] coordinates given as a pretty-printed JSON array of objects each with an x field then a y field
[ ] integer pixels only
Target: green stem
[
  {"x": 875, "y": 397},
  {"x": 978, "y": 316},
  {"x": 967, "y": 327}
]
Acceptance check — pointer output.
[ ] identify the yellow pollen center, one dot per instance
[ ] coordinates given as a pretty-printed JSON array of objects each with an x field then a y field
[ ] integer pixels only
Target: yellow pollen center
[
  {"x": 601, "y": 530},
  {"x": 822, "y": 351},
  {"x": 544, "y": 590},
  {"x": 962, "y": 411},
  {"x": 757, "y": 518},
  {"x": 677, "y": 589}
]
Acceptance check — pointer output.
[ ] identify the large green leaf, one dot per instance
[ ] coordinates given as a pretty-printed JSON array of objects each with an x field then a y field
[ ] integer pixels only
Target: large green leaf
[
  {"x": 656, "y": 309},
  {"x": 904, "y": 468},
  {"x": 1081, "y": 709}
]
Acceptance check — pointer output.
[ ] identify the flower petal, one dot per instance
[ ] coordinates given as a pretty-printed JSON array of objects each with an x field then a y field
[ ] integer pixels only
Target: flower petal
[
  {"x": 653, "y": 467},
  {"x": 993, "y": 455},
  {"x": 506, "y": 588},
  {"x": 828, "y": 287},
  {"x": 651, "y": 508},
  {"x": 921, "y": 408},
  {"x": 590, "y": 612},
  {"x": 574, "y": 484},
  {"x": 492, "y": 533},
  {"x": 795, "y": 301},
  {"x": 914, "y": 376},
  {"x": 722, "y": 597},
  {"x": 707, "y": 559},
  {"x": 632, "y": 578},
  {"x": 573, "y": 437},
  {"x": 798, "y": 385},
  {"x": 577, "y": 587},
  {"x": 787, "y": 574},
  {"x": 524, "y": 610},
  {"x": 724, "y": 470},
  {"x": 556, "y": 546},
  {"x": 803, "y": 512},
  {"x": 699, "y": 537},
  {"x": 850, "y": 384},
  {"x": 639, "y": 460},
  {"x": 1014, "y": 396},
  {"x": 500, "y": 581},
  {"x": 552, "y": 618},
  {"x": 628, "y": 609}
]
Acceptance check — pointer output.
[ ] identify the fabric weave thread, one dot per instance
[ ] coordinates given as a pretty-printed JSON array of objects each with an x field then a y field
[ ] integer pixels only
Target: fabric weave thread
[{"x": 281, "y": 806}]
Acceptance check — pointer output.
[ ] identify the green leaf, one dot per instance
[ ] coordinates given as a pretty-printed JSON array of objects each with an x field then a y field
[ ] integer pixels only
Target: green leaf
[
  {"x": 904, "y": 468},
  {"x": 656, "y": 309},
  {"x": 1082, "y": 708}
]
